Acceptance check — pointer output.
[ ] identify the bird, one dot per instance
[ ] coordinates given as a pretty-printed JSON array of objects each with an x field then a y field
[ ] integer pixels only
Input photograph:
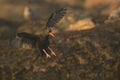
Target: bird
[{"x": 24, "y": 40}]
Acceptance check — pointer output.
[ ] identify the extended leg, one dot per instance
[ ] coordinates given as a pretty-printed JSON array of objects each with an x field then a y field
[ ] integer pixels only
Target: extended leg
[
  {"x": 52, "y": 52},
  {"x": 47, "y": 55}
]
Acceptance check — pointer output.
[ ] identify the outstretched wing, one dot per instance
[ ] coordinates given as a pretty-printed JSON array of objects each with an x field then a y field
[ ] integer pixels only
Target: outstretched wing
[
  {"x": 55, "y": 17},
  {"x": 24, "y": 40}
]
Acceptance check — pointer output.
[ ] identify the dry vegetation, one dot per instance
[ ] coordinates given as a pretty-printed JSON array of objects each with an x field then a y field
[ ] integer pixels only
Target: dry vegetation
[{"x": 90, "y": 53}]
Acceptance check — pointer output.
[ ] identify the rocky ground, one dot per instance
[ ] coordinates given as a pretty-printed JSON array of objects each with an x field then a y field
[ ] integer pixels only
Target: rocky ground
[{"x": 82, "y": 54}]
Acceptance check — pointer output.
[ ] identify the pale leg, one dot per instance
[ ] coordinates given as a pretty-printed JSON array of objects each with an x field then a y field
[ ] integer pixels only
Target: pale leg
[
  {"x": 47, "y": 55},
  {"x": 52, "y": 52}
]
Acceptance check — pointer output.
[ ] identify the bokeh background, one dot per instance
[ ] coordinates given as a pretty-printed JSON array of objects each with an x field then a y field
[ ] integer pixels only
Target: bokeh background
[{"x": 87, "y": 48}]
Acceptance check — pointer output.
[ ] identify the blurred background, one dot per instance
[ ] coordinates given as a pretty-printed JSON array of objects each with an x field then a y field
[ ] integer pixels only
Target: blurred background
[{"x": 87, "y": 47}]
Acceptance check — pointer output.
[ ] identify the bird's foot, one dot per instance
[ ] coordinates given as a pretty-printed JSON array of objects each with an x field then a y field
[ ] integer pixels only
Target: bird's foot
[{"x": 47, "y": 55}]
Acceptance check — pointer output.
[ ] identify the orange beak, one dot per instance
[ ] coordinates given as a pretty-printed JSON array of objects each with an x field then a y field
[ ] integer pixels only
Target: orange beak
[{"x": 52, "y": 35}]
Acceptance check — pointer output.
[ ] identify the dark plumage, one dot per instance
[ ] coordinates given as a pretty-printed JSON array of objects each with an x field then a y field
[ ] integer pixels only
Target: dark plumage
[
  {"x": 55, "y": 17},
  {"x": 29, "y": 41},
  {"x": 25, "y": 40}
]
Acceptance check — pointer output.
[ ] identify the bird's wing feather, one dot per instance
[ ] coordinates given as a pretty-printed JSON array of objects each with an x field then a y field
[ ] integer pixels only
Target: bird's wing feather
[
  {"x": 55, "y": 17},
  {"x": 24, "y": 38},
  {"x": 28, "y": 36}
]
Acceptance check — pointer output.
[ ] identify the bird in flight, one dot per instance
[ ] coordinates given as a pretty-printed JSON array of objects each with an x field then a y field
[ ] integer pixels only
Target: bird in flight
[{"x": 24, "y": 40}]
